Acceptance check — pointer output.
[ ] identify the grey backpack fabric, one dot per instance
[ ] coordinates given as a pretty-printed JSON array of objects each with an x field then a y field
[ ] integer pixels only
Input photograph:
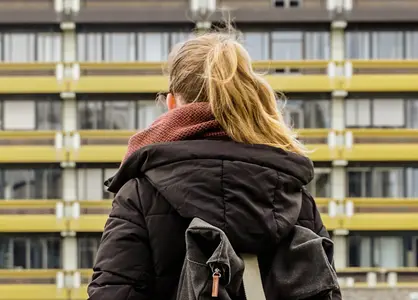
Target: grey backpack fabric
[{"x": 208, "y": 248}]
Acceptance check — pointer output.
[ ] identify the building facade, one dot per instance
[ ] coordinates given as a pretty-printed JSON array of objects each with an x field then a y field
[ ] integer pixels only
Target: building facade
[{"x": 78, "y": 77}]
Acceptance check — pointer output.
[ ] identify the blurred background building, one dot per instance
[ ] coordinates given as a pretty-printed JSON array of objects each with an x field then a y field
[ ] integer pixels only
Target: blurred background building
[{"x": 78, "y": 77}]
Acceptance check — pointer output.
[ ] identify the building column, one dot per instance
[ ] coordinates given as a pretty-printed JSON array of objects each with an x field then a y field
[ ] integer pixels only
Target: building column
[
  {"x": 69, "y": 123},
  {"x": 338, "y": 173}
]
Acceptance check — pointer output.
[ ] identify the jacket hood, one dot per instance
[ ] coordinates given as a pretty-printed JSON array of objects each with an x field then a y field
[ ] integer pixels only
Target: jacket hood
[{"x": 251, "y": 192}]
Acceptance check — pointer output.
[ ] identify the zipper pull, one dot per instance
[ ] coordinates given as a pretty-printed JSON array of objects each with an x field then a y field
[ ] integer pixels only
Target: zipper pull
[{"x": 215, "y": 283}]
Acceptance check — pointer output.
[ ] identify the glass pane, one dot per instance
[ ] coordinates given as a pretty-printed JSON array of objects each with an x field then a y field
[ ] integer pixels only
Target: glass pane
[
  {"x": 19, "y": 47},
  {"x": 388, "y": 113},
  {"x": 87, "y": 249},
  {"x": 48, "y": 116},
  {"x": 412, "y": 44},
  {"x": 180, "y": 37},
  {"x": 388, "y": 182},
  {"x": 107, "y": 174},
  {"x": 119, "y": 46},
  {"x": 148, "y": 112},
  {"x": 412, "y": 112},
  {"x": 5, "y": 257},
  {"x": 287, "y": 45},
  {"x": 257, "y": 45},
  {"x": 19, "y": 184},
  {"x": 36, "y": 253},
  {"x": 54, "y": 183},
  {"x": 119, "y": 115},
  {"x": 153, "y": 46},
  {"x": 19, "y": 115},
  {"x": 359, "y": 183},
  {"x": 317, "y": 45},
  {"x": 90, "y": 115},
  {"x": 49, "y": 47},
  {"x": 359, "y": 251},
  {"x": 54, "y": 253},
  {"x": 412, "y": 183},
  {"x": 90, "y": 46},
  {"x": 388, "y": 252},
  {"x": 387, "y": 45},
  {"x": 294, "y": 114},
  {"x": 317, "y": 114},
  {"x": 90, "y": 184},
  {"x": 358, "y": 45},
  {"x": 20, "y": 254}
]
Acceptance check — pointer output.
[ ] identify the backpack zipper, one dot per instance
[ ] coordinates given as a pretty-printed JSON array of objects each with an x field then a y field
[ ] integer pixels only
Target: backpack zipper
[{"x": 215, "y": 282}]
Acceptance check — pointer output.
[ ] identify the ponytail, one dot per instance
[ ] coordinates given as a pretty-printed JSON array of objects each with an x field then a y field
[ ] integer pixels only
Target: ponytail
[{"x": 215, "y": 68}]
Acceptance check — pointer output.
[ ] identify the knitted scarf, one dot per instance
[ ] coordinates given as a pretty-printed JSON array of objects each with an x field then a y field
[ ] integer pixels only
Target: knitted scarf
[{"x": 191, "y": 121}]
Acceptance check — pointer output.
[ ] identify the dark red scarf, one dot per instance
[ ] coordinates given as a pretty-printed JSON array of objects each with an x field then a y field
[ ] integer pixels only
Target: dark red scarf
[{"x": 191, "y": 121}]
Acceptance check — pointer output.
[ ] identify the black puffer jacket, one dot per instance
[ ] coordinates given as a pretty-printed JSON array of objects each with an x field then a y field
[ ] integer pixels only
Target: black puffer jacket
[{"x": 254, "y": 194}]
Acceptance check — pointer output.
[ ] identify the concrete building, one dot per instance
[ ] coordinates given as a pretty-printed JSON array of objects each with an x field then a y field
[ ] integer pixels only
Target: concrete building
[{"x": 78, "y": 77}]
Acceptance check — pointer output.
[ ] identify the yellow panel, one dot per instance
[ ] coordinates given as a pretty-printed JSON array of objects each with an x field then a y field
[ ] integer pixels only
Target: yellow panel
[
  {"x": 382, "y": 152},
  {"x": 32, "y": 292},
  {"x": 80, "y": 293},
  {"x": 382, "y": 83},
  {"x": 31, "y": 223},
  {"x": 29, "y": 85},
  {"x": 331, "y": 223},
  {"x": 384, "y": 202},
  {"x": 104, "y": 153},
  {"x": 382, "y": 221},
  {"x": 30, "y": 154},
  {"x": 88, "y": 223},
  {"x": 302, "y": 83},
  {"x": 154, "y": 84}
]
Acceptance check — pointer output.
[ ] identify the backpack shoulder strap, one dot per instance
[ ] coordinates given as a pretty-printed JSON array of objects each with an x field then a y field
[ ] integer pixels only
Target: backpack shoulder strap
[{"x": 253, "y": 285}]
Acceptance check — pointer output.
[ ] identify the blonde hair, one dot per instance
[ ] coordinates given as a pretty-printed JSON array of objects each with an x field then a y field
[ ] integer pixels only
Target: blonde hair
[{"x": 215, "y": 68}]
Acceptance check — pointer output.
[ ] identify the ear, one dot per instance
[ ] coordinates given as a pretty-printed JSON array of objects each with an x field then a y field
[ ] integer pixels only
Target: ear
[{"x": 171, "y": 101}]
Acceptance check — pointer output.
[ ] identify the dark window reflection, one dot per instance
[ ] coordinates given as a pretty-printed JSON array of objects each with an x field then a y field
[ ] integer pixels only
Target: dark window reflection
[
  {"x": 87, "y": 249},
  {"x": 308, "y": 113},
  {"x": 48, "y": 115},
  {"x": 34, "y": 252},
  {"x": 106, "y": 114},
  {"x": 31, "y": 184}
]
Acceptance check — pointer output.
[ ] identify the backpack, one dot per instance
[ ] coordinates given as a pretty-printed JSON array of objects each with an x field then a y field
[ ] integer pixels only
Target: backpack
[{"x": 212, "y": 270}]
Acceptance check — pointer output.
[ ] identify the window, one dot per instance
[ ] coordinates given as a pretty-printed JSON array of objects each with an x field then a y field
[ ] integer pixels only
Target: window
[
  {"x": 257, "y": 45},
  {"x": 87, "y": 249},
  {"x": 317, "y": 45},
  {"x": 357, "y": 45},
  {"x": 90, "y": 183},
  {"x": 148, "y": 111},
  {"x": 48, "y": 47},
  {"x": 106, "y": 114},
  {"x": 31, "y": 184},
  {"x": 321, "y": 184},
  {"x": 119, "y": 46},
  {"x": 48, "y": 115},
  {"x": 153, "y": 46},
  {"x": 376, "y": 182},
  {"x": 379, "y": 252},
  {"x": 378, "y": 113},
  {"x": 19, "y": 115},
  {"x": 388, "y": 113},
  {"x": 412, "y": 44},
  {"x": 387, "y": 45},
  {"x": 22, "y": 252},
  {"x": 90, "y": 47},
  {"x": 32, "y": 114},
  {"x": 412, "y": 182},
  {"x": 287, "y": 3},
  {"x": 412, "y": 114},
  {"x": 287, "y": 45},
  {"x": 308, "y": 113},
  {"x": 30, "y": 47}
]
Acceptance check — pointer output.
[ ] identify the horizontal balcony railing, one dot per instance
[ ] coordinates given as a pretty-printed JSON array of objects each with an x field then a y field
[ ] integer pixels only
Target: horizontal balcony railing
[
  {"x": 355, "y": 214},
  {"x": 92, "y": 146},
  {"x": 60, "y": 284},
  {"x": 147, "y": 77},
  {"x": 31, "y": 147}
]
